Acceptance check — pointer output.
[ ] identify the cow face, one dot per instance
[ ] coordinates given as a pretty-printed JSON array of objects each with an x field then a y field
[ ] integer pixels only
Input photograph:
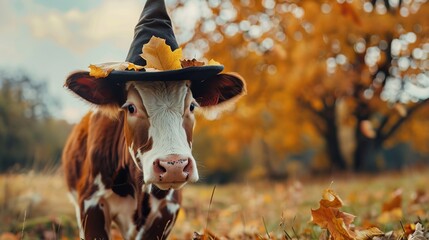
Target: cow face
[
  {"x": 159, "y": 119},
  {"x": 158, "y": 129}
]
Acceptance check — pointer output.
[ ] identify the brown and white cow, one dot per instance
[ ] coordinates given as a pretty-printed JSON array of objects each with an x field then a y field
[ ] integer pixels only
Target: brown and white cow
[{"x": 126, "y": 161}]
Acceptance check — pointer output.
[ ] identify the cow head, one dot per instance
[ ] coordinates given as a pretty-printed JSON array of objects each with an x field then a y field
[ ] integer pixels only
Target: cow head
[{"x": 159, "y": 119}]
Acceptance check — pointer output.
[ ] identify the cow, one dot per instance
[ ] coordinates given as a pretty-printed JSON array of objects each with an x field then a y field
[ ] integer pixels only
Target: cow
[{"x": 128, "y": 158}]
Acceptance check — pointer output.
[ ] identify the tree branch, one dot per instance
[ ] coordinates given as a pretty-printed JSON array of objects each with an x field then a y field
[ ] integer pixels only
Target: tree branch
[
  {"x": 319, "y": 114},
  {"x": 401, "y": 120},
  {"x": 382, "y": 125}
]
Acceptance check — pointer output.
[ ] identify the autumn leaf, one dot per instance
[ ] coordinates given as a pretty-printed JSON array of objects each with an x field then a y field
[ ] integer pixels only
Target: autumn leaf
[
  {"x": 132, "y": 66},
  {"x": 205, "y": 236},
  {"x": 391, "y": 216},
  {"x": 330, "y": 217},
  {"x": 159, "y": 55},
  {"x": 331, "y": 199},
  {"x": 394, "y": 201},
  {"x": 391, "y": 210},
  {"x": 368, "y": 233},
  {"x": 409, "y": 229},
  {"x": 335, "y": 221},
  {"x": 418, "y": 233},
  {"x": 420, "y": 196},
  {"x": 213, "y": 62},
  {"x": 104, "y": 69},
  {"x": 191, "y": 63}
]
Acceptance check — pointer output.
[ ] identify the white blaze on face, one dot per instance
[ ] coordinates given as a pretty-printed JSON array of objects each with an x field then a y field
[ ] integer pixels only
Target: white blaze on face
[{"x": 165, "y": 106}]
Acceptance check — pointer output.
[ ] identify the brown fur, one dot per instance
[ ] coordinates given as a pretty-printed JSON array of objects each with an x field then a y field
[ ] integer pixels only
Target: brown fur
[{"x": 97, "y": 146}]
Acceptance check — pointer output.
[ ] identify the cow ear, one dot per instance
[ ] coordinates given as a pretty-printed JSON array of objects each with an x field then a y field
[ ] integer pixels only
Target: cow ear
[
  {"x": 98, "y": 91},
  {"x": 222, "y": 88}
]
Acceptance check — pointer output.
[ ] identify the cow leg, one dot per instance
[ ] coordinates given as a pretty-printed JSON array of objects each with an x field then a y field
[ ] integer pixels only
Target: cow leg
[
  {"x": 96, "y": 220},
  {"x": 73, "y": 198}
]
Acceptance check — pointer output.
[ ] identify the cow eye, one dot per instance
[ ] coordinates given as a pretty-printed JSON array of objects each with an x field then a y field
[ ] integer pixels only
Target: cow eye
[
  {"x": 192, "y": 107},
  {"x": 132, "y": 108}
]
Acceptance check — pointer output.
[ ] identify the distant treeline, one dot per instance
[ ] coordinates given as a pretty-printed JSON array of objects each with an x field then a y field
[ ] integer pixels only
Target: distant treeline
[{"x": 29, "y": 136}]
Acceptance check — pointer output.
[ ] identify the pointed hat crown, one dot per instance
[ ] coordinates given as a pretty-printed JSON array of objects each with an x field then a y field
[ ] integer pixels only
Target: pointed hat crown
[{"x": 153, "y": 21}]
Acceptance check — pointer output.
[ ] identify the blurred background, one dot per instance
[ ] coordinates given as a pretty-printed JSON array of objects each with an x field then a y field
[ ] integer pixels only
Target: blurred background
[{"x": 333, "y": 86}]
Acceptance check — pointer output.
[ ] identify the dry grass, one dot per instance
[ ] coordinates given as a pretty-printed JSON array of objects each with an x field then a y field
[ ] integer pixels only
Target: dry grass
[{"x": 257, "y": 209}]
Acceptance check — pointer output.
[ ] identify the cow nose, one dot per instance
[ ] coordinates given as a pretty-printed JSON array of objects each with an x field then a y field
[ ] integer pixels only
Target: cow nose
[{"x": 173, "y": 168}]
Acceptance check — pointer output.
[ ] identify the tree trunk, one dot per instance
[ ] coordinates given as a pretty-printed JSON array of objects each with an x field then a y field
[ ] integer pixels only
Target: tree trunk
[
  {"x": 366, "y": 152},
  {"x": 333, "y": 146},
  {"x": 273, "y": 172}
]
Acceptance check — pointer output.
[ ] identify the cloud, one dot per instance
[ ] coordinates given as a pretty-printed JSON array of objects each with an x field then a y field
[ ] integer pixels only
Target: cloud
[
  {"x": 7, "y": 18},
  {"x": 112, "y": 21}
]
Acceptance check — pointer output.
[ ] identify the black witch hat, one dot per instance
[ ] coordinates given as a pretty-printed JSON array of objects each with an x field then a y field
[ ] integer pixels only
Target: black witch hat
[{"x": 155, "y": 22}]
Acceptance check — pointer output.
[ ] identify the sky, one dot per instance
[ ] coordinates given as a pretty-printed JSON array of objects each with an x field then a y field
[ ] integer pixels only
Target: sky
[{"x": 49, "y": 39}]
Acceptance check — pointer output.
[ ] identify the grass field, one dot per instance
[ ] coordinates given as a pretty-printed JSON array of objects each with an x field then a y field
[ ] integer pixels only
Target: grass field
[{"x": 36, "y": 205}]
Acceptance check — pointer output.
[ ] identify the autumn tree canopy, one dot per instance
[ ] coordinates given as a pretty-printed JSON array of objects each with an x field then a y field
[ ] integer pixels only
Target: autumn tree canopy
[{"x": 344, "y": 78}]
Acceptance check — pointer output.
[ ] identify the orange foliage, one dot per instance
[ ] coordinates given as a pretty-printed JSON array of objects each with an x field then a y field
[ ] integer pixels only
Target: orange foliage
[{"x": 301, "y": 59}]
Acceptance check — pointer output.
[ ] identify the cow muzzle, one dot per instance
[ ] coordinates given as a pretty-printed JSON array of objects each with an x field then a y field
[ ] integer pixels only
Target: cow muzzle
[{"x": 173, "y": 171}]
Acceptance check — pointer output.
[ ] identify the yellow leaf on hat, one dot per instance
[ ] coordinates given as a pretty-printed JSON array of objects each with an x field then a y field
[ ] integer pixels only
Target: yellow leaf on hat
[
  {"x": 132, "y": 66},
  {"x": 103, "y": 70},
  {"x": 98, "y": 71},
  {"x": 159, "y": 55},
  {"x": 213, "y": 62},
  {"x": 191, "y": 63}
]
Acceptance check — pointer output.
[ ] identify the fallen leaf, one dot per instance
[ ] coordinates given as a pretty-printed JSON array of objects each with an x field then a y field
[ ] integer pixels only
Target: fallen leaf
[
  {"x": 191, "y": 63},
  {"x": 8, "y": 236},
  {"x": 205, "y": 236},
  {"x": 330, "y": 217},
  {"x": 394, "y": 201},
  {"x": 418, "y": 233},
  {"x": 390, "y": 216},
  {"x": 159, "y": 55},
  {"x": 419, "y": 197},
  {"x": 331, "y": 199},
  {"x": 409, "y": 229},
  {"x": 368, "y": 233}
]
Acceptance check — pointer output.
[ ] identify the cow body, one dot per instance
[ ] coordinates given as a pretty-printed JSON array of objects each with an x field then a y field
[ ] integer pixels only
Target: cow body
[
  {"x": 129, "y": 165},
  {"x": 106, "y": 186}
]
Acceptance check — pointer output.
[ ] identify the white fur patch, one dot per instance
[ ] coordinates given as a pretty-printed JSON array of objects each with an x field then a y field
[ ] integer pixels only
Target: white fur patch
[
  {"x": 133, "y": 155},
  {"x": 140, "y": 233},
  {"x": 164, "y": 103},
  {"x": 169, "y": 196},
  {"x": 95, "y": 197},
  {"x": 73, "y": 199},
  {"x": 154, "y": 206},
  {"x": 147, "y": 188},
  {"x": 173, "y": 207}
]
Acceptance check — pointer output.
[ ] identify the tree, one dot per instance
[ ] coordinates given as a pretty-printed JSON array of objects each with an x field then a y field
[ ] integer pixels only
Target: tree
[
  {"x": 316, "y": 68},
  {"x": 29, "y": 136}
]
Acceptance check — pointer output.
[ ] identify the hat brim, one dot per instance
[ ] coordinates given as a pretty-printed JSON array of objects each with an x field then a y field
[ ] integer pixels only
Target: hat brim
[{"x": 193, "y": 73}]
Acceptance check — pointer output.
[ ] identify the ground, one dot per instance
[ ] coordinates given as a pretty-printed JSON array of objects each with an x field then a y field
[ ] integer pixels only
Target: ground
[{"x": 36, "y": 205}]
